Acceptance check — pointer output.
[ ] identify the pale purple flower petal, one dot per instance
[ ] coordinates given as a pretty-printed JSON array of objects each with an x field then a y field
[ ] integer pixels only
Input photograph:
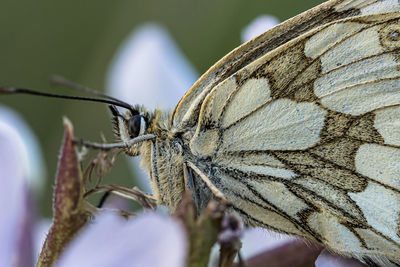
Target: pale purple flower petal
[
  {"x": 149, "y": 69},
  {"x": 41, "y": 230},
  {"x": 258, "y": 26},
  {"x": 27, "y": 145},
  {"x": 256, "y": 240},
  {"x": 327, "y": 259},
  {"x": 11, "y": 192},
  {"x": 17, "y": 219},
  {"x": 147, "y": 240}
]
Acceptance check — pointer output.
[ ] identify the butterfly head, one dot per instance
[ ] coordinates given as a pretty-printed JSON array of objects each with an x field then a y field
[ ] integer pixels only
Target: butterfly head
[{"x": 133, "y": 123}]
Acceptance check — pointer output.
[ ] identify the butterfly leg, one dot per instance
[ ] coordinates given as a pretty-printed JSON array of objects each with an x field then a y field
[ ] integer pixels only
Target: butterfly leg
[
  {"x": 147, "y": 201},
  {"x": 199, "y": 198},
  {"x": 209, "y": 184},
  {"x": 190, "y": 183}
]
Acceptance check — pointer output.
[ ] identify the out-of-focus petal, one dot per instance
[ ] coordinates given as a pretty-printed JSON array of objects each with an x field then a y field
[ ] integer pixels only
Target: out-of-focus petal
[
  {"x": 257, "y": 240},
  {"x": 258, "y": 26},
  {"x": 327, "y": 259},
  {"x": 149, "y": 69},
  {"x": 30, "y": 155},
  {"x": 147, "y": 240},
  {"x": 16, "y": 221},
  {"x": 40, "y": 233}
]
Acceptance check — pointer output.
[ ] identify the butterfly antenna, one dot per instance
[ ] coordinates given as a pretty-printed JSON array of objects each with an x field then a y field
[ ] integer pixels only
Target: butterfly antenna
[
  {"x": 111, "y": 101},
  {"x": 60, "y": 80}
]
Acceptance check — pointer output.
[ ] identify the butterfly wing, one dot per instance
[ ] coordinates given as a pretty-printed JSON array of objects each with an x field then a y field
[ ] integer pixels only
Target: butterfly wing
[
  {"x": 186, "y": 112},
  {"x": 305, "y": 139}
]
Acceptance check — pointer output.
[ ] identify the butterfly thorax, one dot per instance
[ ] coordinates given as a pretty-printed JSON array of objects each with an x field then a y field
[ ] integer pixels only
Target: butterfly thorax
[{"x": 163, "y": 158}]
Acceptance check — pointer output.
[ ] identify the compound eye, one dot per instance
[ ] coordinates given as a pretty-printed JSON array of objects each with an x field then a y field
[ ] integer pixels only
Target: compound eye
[{"x": 134, "y": 125}]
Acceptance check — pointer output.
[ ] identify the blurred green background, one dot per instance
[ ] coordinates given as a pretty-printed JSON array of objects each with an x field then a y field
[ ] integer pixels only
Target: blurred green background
[{"x": 77, "y": 39}]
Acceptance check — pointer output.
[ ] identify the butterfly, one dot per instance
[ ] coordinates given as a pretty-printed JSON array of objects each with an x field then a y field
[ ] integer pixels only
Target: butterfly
[{"x": 297, "y": 129}]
